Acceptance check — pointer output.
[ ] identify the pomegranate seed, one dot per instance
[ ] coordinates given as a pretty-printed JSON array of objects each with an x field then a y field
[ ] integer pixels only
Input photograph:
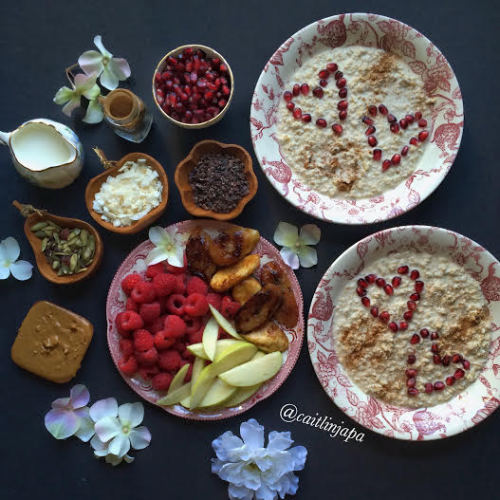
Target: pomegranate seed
[
  {"x": 386, "y": 164},
  {"x": 414, "y": 274},
  {"x": 393, "y": 326},
  {"x": 363, "y": 283},
  {"x": 290, "y": 105},
  {"x": 418, "y": 115},
  {"x": 365, "y": 301},
  {"x": 223, "y": 68},
  {"x": 405, "y": 150},
  {"x": 434, "y": 335},
  {"x": 414, "y": 141},
  {"x": 411, "y": 359},
  {"x": 419, "y": 286},
  {"x": 403, "y": 325},
  {"x": 411, "y": 305},
  {"x": 394, "y": 128},
  {"x": 332, "y": 67},
  {"x": 380, "y": 282},
  {"x": 372, "y": 141},
  {"x": 337, "y": 128},
  {"x": 296, "y": 90},
  {"x": 367, "y": 120},
  {"x": 412, "y": 391},
  {"x": 429, "y": 388},
  {"x": 338, "y": 74},
  {"x": 435, "y": 348},
  {"x": 321, "y": 122},
  {"x": 372, "y": 110},
  {"x": 424, "y": 333},
  {"x": 297, "y": 113},
  {"x": 341, "y": 82},
  {"x": 456, "y": 358},
  {"x": 410, "y": 382},
  {"x": 415, "y": 339},
  {"x": 323, "y": 83},
  {"x": 396, "y": 159},
  {"x": 385, "y": 316},
  {"x": 466, "y": 364},
  {"x": 411, "y": 372},
  {"x": 396, "y": 281},
  {"x": 408, "y": 315},
  {"x": 450, "y": 380},
  {"x": 342, "y": 105},
  {"x": 422, "y": 136},
  {"x": 318, "y": 92},
  {"x": 391, "y": 118},
  {"x": 388, "y": 290},
  {"x": 304, "y": 88},
  {"x": 226, "y": 90},
  {"x": 383, "y": 109},
  {"x": 377, "y": 154},
  {"x": 438, "y": 386},
  {"x": 202, "y": 83},
  {"x": 374, "y": 311},
  {"x": 459, "y": 373},
  {"x": 371, "y": 278},
  {"x": 343, "y": 114},
  {"x": 306, "y": 118},
  {"x": 436, "y": 359},
  {"x": 343, "y": 92},
  {"x": 422, "y": 122},
  {"x": 403, "y": 269},
  {"x": 403, "y": 123},
  {"x": 370, "y": 130},
  {"x": 410, "y": 119},
  {"x": 415, "y": 296},
  {"x": 446, "y": 360},
  {"x": 324, "y": 74}
]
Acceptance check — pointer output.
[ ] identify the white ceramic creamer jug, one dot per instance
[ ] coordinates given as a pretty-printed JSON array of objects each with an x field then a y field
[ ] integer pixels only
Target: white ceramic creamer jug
[{"x": 46, "y": 153}]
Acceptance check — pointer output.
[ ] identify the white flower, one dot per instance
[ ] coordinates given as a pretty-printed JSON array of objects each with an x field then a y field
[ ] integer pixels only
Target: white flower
[
  {"x": 110, "y": 69},
  {"x": 255, "y": 471},
  {"x": 295, "y": 247},
  {"x": 70, "y": 416},
  {"x": 116, "y": 429},
  {"x": 168, "y": 246},
  {"x": 9, "y": 253}
]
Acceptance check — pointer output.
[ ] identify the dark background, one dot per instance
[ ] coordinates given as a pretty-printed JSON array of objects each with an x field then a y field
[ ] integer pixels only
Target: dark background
[{"x": 38, "y": 40}]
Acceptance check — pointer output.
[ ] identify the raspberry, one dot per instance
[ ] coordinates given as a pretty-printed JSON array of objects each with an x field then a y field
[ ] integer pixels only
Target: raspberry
[
  {"x": 127, "y": 321},
  {"x": 164, "y": 284},
  {"x": 169, "y": 360},
  {"x": 129, "y": 282},
  {"x": 126, "y": 347},
  {"x": 155, "y": 269},
  {"x": 187, "y": 355},
  {"x": 161, "y": 382},
  {"x": 174, "y": 326},
  {"x": 157, "y": 325},
  {"x": 196, "y": 305},
  {"x": 179, "y": 346},
  {"x": 128, "y": 365},
  {"x": 176, "y": 270},
  {"x": 149, "y": 312},
  {"x": 131, "y": 305},
  {"x": 189, "y": 373},
  {"x": 143, "y": 292},
  {"x": 162, "y": 341},
  {"x": 175, "y": 304},
  {"x": 193, "y": 324},
  {"x": 143, "y": 340},
  {"x": 195, "y": 337},
  {"x": 196, "y": 285},
  {"x": 229, "y": 307},
  {"x": 148, "y": 372},
  {"x": 215, "y": 300},
  {"x": 180, "y": 284},
  {"x": 147, "y": 358}
]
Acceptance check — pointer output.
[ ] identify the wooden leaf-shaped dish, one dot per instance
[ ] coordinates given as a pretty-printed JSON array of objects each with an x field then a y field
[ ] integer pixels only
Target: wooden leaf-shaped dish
[
  {"x": 95, "y": 183},
  {"x": 185, "y": 166},
  {"x": 32, "y": 217}
]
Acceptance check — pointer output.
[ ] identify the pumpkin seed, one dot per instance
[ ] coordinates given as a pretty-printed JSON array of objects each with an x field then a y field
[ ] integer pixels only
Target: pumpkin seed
[
  {"x": 40, "y": 234},
  {"x": 44, "y": 244},
  {"x": 55, "y": 264},
  {"x": 84, "y": 235},
  {"x": 39, "y": 225},
  {"x": 73, "y": 262}
]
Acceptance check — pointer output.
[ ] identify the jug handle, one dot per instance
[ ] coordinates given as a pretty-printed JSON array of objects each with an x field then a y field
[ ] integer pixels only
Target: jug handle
[{"x": 4, "y": 138}]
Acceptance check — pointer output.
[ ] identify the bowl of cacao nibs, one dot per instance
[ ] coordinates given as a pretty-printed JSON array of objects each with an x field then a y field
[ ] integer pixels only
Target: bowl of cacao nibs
[
  {"x": 216, "y": 180},
  {"x": 193, "y": 86}
]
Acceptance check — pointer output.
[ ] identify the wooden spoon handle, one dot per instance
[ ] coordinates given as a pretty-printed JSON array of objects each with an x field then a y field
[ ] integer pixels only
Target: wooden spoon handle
[
  {"x": 27, "y": 210},
  {"x": 102, "y": 158}
]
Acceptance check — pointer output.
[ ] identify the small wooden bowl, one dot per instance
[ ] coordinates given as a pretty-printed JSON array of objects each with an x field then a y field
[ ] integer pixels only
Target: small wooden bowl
[
  {"x": 32, "y": 217},
  {"x": 210, "y": 53},
  {"x": 112, "y": 168},
  {"x": 185, "y": 166}
]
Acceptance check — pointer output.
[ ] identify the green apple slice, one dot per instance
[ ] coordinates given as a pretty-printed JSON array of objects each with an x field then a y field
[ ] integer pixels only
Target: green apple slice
[
  {"x": 209, "y": 340},
  {"x": 224, "y": 323},
  {"x": 198, "y": 351},
  {"x": 254, "y": 372},
  {"x": 243, "y": 393},
  {"x": 198, "y": 365},
  {"x": 178, "y": 379},
  {"x": 218, "y": 392},
  {"x": 175, "y": 396},
  {"x": 230, "y": 357}
]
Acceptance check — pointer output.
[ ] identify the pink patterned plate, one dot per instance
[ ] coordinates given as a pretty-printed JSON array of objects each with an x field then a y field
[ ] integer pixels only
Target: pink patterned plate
[
  {"x": 425, "y": 60},
  {"x": 115, "y": 304},
  {"x": 463, "y": 411}
]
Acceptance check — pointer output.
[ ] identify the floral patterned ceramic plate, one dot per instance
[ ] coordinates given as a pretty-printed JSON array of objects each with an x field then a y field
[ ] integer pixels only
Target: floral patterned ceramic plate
[
  {"x": 424, "y": 59},
  {"x": 463, "y": 411},
  {"x": 115, "y": 304}
]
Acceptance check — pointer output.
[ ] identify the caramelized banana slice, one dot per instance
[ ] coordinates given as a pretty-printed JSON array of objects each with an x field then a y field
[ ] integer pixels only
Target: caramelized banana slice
[
  {"x": 246, "y": 289},
  {"x": 258, "y": 309},
  {"x": 231, "y": 246},
  {"x": 288, "y": 313},
  {"x": 198, "y": 258},
  {"x": 229, "y": 276},
  {"x": 268, "y": 338}
]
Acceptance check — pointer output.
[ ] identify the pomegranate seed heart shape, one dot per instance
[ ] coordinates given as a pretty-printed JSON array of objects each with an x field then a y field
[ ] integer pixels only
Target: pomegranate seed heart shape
[{"x": 325, "y": 75}]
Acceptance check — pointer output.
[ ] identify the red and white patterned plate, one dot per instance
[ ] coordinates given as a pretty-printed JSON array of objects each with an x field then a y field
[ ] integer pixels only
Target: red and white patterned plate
[
  {"x": 463, "y": 411},
  {"x": 115, "y": 304},
  {"x": 425, "y": 60}
]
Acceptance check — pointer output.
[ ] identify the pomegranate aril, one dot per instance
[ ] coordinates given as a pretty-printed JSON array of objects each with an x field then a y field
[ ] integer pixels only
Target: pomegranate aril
[
  {"x": 304, "y": 88},
  {"x": 410, "y": 382},
  {"x": 388, "y": 290},
  {"x": 424, "y": 333},
  {"x": 386, "y": 164},
  {"x": 446, "y": 360},
  {"x": 372, "y": 141},
  {"x": 290, "y": 106},
  {"x": 385, "y": 316},
  {"x": 296, "y": 89},
  {"x": 377, "y": 154},
  {"x": 337, "y": 128},
  {"x": 403, "y": 269},
  {"x": 370, "y": 278},
  {"x": 323, "y": 83},
  {"x": 418, "y": 115},
  {"x": 394, "y": 128},
  {"x": 363, "y": 283},
  {"x": 338, "y": 74},
  {"x": 414, "y": 274},
  {"x": 332, "y": 67},
  {"x": 374, "y": 311},
  {"x": 411, "y": 305},
  {"x": 422, "y": 136},
  {"x": 370, "y": 130},
  {"x": 318, "y": 92},
  {"x": 342, "y": 105},
  {"x": 415, "y": 296},
  {"x": 343, "y": 92},
  {"x": 459, "y": 373},
  {"x": 450, "y": 380},
  {"x": 412, "y": 391},
  {"x": 408, "y": 315},
  {"x": 306, "y": 118},
  {"x": 342, "y": 114},
  {"x": 410, "y": 119},
  {"x": 466, "y": 364},
  {"x": 438, "y": 386},
  {"x": 411, "y": 372},
  {"x": 436, "y": 359},
  {"x": 323, "y": 74},
  {"x": 396, "y": 159},
  {"x": 341, "y": 82},
  {"x": 435, "y": 348},
  {"x": 321, "y": 122},
  {"x": 415, "y": 339},
  {"x": 226, "y": 90},
  {"x": 361, "y": 291},
  {"x": 414, "y": 141},
  {"x": 396, "y": 281},
  {"x": 411, "y": 359},
  {"x": 222, "y": 102},
  {"x": 380, "y": 282},
  {"x": 405, "y": 150},
  {"x": 393, "y": 326},
  {"x": 383, "y": 109},
  {"x": 428, "y": 387},
  {"x": 372, "y": 110},
  {"x": 391, "y": 118},
  {"x": 403, "y": 123},
  {"x": 287, "y": 95},
  {"x": 367, "y": 120},
  {"x": 297, "y": 113},
  {"x": 365, "y": 301},
  {"x": 456, "y": 358},
  {"x": 422, "y": 123},
  {"x": 419, "y": 286},
  {"x": 434, "y": 335}
]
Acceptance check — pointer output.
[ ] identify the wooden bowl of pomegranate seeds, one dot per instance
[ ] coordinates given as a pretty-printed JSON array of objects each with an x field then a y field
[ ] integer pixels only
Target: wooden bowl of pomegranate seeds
[
  {"x": 193, "y": 86},
  {"x": 216, "y": 180}
]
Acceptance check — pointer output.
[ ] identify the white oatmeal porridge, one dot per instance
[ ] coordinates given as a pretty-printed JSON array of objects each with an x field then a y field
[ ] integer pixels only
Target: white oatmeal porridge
[
  {"x": 344, "y": 164},
  {"x": 437, "y": 350}
]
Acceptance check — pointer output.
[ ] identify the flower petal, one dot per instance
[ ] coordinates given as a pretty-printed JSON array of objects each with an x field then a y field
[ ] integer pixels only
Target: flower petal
[
  {"x": 108, "y": 79},
  {"x": 176, "y": 258},
  {"x": 61, "y": 423},
  {"x": 119, "y": 445},
  {"x": 241, "y": 474},
  {"x": 61, "y": 403},
  {"x": 290, "y": 257},
  {"x": 131, "y": 414},
  {"x": 158, "y": 236},
  {"x": 156, "y": 255},
  {"x": 100, "y": 448},
  {"x": 21, "y": 270},
  {"x": 92, "y": 92},
  {"x": 98, "y": 43},
  {"x": 104, "y": 408},
  {"x": 264, "y": 493},
  {"x": 91, "y": 62},
  {"x": 239, "y": 492},
  {"x": 279, "y": 441},
  {"x": 286, "y": 234},
  {"x": 71, "y": 105},
  {"x": 120, "y": 68},
  {"x": 113, "y": 460},
  {"x": 140, "y": 438},
  {"x": 86, "y": 429},
  {"x": 252, "y": 434},
  {"x": 95, "y": 113},
  {"x": 128, "y": 459},
  {"x": 299, "y": 454},
  {"x": 307, "y": 256},
  {"x": 79, "y": 396},
  {"x": 310, "y": 234},
  {"x": 107, "y": 428},
  {"x": 63, "y": 95},
  {"x": 9, "y": 249},
  {"x": 227, "y": 447},
  {"x": 4, "y": 272}
]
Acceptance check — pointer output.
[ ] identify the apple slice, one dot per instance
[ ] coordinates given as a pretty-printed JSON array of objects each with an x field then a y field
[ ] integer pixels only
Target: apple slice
[
  {"x": 254, "y": 372},
  {"x": 243, "y": 393},
  {"x": 230, "y": 357},
  {"x": 175, "y": 396},
  {"x": 178, "y": 379},
  {"x": 209, "y": 340},
  {"x": 218, "y": 392},
  {"x": 198, "y": 351},
  {"x": 224, "y": 323},
  {"x": 198, "y": 365}
]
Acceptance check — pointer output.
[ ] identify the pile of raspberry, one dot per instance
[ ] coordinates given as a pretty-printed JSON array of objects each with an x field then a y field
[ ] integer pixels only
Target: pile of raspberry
[{"x": 166, "y": 311}]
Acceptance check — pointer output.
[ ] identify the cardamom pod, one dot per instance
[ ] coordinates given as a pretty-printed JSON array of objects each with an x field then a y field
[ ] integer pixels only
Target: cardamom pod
[{"x": 39, "y": 225}]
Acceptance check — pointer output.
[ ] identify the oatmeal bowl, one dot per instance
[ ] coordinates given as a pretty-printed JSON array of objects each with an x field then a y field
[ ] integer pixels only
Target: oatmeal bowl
[
  {"x": 403, "y": 335},
  {"x": 356, "y": 118}
]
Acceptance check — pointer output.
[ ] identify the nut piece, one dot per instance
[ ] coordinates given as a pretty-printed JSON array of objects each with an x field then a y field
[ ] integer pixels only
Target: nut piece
[{"x": 230, "y": 276}]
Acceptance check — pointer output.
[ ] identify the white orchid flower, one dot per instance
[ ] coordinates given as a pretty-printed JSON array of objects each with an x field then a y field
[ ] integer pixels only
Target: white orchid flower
[
  {"x": 111, "y": 70},
  {"x": 168, "y": 246},
  {"x": 254, "y": 471},
  {"x": 9, "y": 253},
  {"x": 70, "y": 416},
  {"x": 117, "y": 428},
  {"x": 87, "y": 87},
  {"x": 296, "y": 251}
]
